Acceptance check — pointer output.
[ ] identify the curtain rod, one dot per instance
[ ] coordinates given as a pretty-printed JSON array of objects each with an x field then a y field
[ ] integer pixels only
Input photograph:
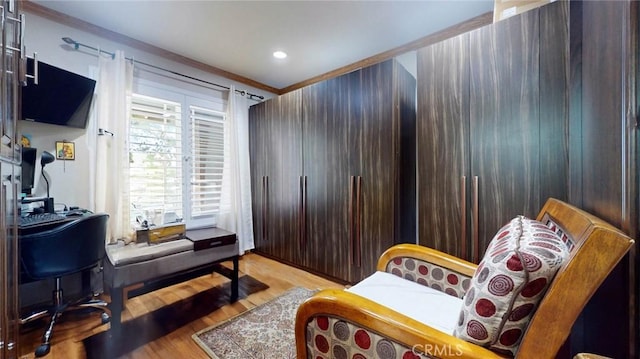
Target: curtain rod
[{"x": 77, "y": 45}]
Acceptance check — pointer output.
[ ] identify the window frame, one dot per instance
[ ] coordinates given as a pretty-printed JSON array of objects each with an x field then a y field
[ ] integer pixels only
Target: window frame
[{"x": 187, "y": 99}]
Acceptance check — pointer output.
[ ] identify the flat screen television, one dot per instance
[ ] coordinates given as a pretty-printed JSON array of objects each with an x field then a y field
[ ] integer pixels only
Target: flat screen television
[
  {"x": 27, "y": 177},
  {"x": 61, "y": 97}
]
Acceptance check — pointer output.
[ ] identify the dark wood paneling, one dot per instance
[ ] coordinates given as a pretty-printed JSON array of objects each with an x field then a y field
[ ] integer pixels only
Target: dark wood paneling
[
  {"x": 492, "y": 104},
  {"x": 257, "y": 159},
  {"x": 442, "y": 141},
  {"x": 276, "y": 165},
  {"x": 321, "y": 144},
  {"x": 378, "y": 164},
  {"x": 331, "y": 112},
  {"x": 554, "y": 101},
  {"x": 269, "y": 147},
  {"x": 504, "y": 121},
  {"x": 603, "y": 63},
  {"x": 602, "y": 104},
  {"x": 285, "y": 164},
  {"x": 575, "y": 104},
  {"x": 404, "y": 107}
]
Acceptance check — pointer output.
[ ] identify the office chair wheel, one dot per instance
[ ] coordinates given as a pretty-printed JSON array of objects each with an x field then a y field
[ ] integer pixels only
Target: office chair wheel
[
  {"x": 105, "y": 318},
  {"x": 43, "y": 350}
]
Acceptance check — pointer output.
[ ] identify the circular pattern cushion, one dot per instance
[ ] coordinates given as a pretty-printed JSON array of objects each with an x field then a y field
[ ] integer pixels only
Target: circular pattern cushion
[{"x": 520, "y": 262}]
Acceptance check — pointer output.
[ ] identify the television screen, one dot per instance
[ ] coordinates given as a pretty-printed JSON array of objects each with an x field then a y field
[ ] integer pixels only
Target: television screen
[
  {"x": 27, "y": 176},
  {"x": 60, "y": 98}
]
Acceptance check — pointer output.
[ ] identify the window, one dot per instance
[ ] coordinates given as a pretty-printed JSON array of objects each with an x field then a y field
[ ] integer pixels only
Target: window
[
  {"x": 207, "y": 161},
  {"x": 176, "y": 157}
]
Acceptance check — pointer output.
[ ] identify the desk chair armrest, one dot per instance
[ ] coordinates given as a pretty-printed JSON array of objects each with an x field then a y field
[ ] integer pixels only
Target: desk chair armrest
[
  {"x": 429, "y": 267},
  {"x": 380, "y": 327}
]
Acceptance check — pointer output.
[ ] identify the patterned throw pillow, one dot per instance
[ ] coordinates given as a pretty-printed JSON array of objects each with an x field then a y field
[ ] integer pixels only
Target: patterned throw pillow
[{"x": 508, "y": 284}]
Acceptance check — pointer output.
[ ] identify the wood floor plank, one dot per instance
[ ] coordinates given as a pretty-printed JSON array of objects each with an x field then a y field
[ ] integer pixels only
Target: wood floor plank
[{"x": 68, "y": 335}]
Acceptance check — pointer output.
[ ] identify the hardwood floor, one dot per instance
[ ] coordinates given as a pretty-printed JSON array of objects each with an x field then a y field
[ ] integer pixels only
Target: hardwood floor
[{"x": 159, "y": 324}]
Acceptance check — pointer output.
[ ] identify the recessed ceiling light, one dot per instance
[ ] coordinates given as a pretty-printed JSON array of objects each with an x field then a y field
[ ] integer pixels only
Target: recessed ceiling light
[{"x": 279, "y": 54}]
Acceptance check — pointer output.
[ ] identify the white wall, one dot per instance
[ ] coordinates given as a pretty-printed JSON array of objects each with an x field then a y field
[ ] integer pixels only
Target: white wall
[{"x": 69, "y": 180}]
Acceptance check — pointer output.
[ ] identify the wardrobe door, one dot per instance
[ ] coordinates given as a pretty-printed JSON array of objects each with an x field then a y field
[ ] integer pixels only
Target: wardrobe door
[
  {"x": 554, "y": 101},
  {"x": 443, "y": 146},
  {"x": 604, "y": 154},
  {"x": 257, "y": 156},
  {"x": 376, "y": 181},
  {"x": 330, "y": 110},
  {"x": 504, "y": 125},
  {"x": 276, "y": 164},
  {"x": 284, "y": 161}
]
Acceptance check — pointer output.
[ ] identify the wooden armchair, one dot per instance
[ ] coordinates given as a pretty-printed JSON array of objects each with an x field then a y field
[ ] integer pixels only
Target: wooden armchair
[{"x": 349, "y": 324}]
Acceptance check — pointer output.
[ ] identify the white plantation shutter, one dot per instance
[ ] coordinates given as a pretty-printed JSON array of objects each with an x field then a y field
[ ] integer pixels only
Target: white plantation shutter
[
  {"x": 155, "y": 158},
  {"x": 207, "y": 161},
  {"x": 176, "y": 159}
]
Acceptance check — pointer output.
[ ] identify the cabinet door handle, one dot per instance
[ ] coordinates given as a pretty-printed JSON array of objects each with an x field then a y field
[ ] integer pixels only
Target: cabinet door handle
[
  {"x": 463, "y": 218},
  {"x": 303, "y": 211},
  {"x": 35, "y": 75},
  {"x": 262, "y": 210},
  {"x": 266, "y": 208},
  {"x": 265, "y": 205},
  {"x": 23, "y": 53},
  {"x": 476, "y": 220},
  {"x": 352, "y": 248},
  {"x": 358, "y": 257}
]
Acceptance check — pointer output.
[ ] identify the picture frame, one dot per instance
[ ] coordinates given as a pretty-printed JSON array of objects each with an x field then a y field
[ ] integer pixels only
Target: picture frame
[{"x": 65, "y": 150}]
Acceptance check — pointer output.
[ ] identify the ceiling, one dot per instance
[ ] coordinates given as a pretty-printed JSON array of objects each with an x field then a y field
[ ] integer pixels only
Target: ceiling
[{"x": 240, "y": 36}]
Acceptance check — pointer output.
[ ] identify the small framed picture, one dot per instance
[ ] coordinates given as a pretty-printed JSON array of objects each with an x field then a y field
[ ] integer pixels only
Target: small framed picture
[{"x": 65, "y": 150}]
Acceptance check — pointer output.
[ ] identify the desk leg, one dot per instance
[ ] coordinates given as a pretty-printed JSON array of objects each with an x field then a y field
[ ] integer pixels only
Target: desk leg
[{"x": 234, "y": 280}]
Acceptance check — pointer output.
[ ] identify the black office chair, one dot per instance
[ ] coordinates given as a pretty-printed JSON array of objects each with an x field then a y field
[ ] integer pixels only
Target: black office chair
[{"x": 69, "y": 248}]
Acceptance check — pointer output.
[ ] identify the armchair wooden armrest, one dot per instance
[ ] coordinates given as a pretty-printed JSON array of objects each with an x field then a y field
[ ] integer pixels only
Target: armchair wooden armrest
[
  {"x": 377, "y": 322},
  {"x": 429, "y": 267},
  {"x": 428, "y": 255}
]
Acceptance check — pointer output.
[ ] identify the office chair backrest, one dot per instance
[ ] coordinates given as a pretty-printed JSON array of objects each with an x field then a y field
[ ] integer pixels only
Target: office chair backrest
[
  {"x": 67, "y": 249},
  {"x": 596, "y": 248}
]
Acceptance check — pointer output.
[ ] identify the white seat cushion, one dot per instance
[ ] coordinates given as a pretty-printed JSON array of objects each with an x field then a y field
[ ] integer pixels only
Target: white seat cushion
[{"x": 424, "y": 304}]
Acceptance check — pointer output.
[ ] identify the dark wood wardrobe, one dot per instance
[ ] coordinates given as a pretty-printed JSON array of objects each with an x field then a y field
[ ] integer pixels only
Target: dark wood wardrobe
[
  {"x": 603, "y": 157},
  {"x": 543, "y": 104},
  {"x": 492, "y": 110},
  {"x": 333, "y": 171}
]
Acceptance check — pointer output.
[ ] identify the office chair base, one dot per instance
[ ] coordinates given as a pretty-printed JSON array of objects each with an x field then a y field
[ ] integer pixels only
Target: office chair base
[
  {"x": 54, "y": 312},
  {"x": 93, "y": 304},
  {"x": 43, "y": 350},
  {"x": 33, "y": 316}
]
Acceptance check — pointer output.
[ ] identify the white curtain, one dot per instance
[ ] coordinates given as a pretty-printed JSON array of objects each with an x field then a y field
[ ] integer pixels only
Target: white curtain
[
  {"x": 236, "y": 214},
  {"x": 109, "y": 172}
]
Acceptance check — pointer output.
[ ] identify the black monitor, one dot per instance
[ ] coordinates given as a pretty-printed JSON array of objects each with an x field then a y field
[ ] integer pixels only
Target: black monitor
[{"x": 28, "y": 169}]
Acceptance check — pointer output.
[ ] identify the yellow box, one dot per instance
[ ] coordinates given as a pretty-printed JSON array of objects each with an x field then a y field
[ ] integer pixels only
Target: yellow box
[
  {"x": 503, "y": 9},
  {"x": 165, "y": 233}
]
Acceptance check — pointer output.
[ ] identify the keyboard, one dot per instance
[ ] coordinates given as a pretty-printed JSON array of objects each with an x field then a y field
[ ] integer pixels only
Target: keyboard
[{"x": 37, "y": 219}]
